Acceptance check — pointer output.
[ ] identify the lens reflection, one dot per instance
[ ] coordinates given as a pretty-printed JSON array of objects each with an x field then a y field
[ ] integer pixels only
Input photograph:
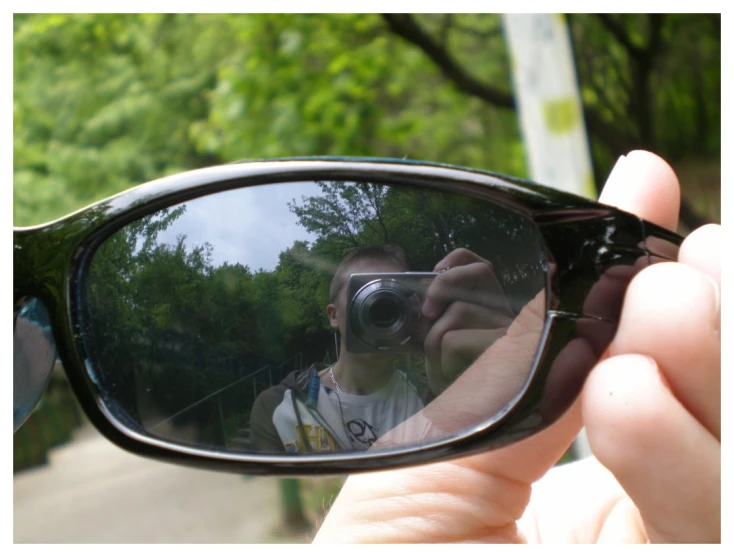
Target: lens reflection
[
  {"x": 34, "y": 354},
  {"x": 321, "y": 316}
]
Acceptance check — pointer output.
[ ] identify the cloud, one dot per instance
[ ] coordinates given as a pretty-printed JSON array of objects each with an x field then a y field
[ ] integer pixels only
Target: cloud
[{"x": 251, "y": 226}]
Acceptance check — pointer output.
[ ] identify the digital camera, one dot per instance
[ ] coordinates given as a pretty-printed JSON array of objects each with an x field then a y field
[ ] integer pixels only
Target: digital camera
[{"x": 384, "y": 312}]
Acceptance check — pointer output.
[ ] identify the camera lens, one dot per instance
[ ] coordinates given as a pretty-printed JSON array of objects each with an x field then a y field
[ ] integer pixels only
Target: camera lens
[{"x": 384, "y": 312}]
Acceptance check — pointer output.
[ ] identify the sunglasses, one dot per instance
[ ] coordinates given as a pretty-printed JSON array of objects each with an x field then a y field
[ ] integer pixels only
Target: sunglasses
[{"x": 324, "y": 316}]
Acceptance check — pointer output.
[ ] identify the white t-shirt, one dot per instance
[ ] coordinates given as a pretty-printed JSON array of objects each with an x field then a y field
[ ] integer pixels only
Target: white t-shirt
[{"x": 346, "y": 421}]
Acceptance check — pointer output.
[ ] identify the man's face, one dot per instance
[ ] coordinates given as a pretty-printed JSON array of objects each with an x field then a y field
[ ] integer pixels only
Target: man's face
[{"x": 338, "y": 312}]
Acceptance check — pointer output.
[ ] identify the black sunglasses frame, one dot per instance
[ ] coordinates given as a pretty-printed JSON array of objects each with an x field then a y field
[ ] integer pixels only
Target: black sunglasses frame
[{"x": 593, "y": 251}]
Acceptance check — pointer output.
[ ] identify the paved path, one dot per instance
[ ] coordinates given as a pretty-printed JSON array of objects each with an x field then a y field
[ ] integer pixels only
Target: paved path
[{"x": 92, "y": 491}]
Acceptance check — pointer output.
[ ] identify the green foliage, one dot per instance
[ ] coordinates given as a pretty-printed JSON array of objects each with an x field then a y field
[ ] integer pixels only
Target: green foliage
[
  {"x": 103, "y": 101},
  {"x": 653, "y": 80},
  {"x": 106, "y": 101},
  {"x": 340, "y": 85},
  {"x": 206, "y": 338}
]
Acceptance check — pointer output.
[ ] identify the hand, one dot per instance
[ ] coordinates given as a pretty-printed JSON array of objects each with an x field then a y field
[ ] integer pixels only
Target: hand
[
  {"x": 469, "y": 312},
  {"x": 651, "y": 410}
]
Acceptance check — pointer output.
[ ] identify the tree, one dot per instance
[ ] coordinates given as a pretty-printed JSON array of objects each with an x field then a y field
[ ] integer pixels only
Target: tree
[
  {"x": 427, "y": 225},
  {"x": 105, "y": 101},
  {"x": 642, "y": 78}
]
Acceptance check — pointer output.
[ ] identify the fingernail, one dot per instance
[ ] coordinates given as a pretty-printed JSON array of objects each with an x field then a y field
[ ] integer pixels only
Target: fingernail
[
  {"x": 428, "y": 309},
  {"x": 440, "y": 265}
]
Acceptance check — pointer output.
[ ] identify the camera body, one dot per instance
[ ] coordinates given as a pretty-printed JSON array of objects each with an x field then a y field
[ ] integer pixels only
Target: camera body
[{"x": 384, "y": 312}]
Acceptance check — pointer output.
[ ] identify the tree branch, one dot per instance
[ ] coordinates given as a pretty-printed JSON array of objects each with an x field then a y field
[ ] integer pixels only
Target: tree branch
[
  {"x": 615, "y": 138},
  {"x": 643, "y": 55},
  {"x": 405, "y": 26},
  {"x": 484, "y": 35},
  {"x": 620, "y": 34}
]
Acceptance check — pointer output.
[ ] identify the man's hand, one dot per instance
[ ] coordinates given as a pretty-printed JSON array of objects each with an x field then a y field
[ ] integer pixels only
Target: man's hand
[
  {"x": 469, "y": 312},
  {"x": 651, "y": 409}
]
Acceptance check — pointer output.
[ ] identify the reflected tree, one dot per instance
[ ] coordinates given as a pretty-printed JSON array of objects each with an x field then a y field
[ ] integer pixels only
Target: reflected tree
[{"x": 427, "y": 225}]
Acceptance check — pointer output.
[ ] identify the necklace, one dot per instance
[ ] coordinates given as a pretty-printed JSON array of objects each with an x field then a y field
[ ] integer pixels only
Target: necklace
[{"x": 333, "y": 379}]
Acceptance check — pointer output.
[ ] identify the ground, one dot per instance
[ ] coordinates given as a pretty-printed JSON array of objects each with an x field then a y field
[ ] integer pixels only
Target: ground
[{"x": 93, "y": 492}]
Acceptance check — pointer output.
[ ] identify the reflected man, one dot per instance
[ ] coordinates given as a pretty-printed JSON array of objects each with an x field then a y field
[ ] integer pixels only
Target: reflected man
[{"x": 369, "y": 390}]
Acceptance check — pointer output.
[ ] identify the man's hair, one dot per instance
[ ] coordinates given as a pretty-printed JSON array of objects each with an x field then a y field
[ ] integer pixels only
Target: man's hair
[{"x": 385, "y": 252}]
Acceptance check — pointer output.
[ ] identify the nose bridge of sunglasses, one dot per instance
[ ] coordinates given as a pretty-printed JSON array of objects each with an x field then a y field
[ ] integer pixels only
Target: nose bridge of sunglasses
[{"x": 34, "y": 354}]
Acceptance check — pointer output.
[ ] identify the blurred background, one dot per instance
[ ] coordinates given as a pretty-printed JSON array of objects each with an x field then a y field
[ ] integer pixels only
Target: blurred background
[{"x": 104, "y": 102}]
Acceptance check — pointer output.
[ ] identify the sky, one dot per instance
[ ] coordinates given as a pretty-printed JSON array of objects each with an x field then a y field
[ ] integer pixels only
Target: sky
[{"x": 251, "y": 226}]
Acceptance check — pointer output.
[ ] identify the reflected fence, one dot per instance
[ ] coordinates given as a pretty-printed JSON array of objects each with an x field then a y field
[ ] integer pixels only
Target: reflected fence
[{"x": 222, "y": 416}]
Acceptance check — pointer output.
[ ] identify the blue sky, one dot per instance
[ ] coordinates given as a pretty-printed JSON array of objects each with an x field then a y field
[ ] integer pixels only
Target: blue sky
[{"x": 249, "y": 226}]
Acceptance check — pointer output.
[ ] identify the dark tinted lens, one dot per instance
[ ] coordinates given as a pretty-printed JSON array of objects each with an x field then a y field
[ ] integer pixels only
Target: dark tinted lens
[
  {"x": 34, "y": 354},
  {"x": 225, "y": 322}
]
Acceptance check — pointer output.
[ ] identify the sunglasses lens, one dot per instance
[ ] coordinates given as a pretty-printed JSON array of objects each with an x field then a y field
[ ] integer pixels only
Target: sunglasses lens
[
  {"x": 319, "y": 316},
  {"x": 34, "y": 354}
]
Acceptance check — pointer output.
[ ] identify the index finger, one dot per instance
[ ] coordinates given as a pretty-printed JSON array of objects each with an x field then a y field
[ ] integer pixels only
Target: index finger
[
  {"x": 458, "y": 257},
  {"x": 645, "y": 185}
]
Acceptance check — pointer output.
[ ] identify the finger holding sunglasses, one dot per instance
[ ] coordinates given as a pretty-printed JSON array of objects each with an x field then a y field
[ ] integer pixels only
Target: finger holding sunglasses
[
  {"x": 652, "y": 412},
  {"x": 467, "y": 277},
  {"x": 485, "y": 386},
  {"x": 652, "y": 409},
  {"x": 465, "y": 296},
  {"x": 495, "y": 376},
  {"x": 482, "y": 497}
]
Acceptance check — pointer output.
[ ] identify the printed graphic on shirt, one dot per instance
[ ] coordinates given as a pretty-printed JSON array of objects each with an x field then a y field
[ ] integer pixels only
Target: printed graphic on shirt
[
  {"x": 318, "y": 438},
  {"x": 362, "y": 432},
  {"x": 344, "y": 422}
]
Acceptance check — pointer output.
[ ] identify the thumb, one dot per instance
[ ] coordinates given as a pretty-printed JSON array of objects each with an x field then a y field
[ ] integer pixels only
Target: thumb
[{"x": 472, "y": 499}]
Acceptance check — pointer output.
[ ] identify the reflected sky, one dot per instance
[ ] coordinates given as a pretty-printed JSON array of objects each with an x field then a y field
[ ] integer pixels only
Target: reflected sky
[{"x": 251, "y": 226}]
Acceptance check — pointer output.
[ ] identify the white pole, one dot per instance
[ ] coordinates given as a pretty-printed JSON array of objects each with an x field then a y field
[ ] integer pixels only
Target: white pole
[{"x": 549, "y": 106}]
